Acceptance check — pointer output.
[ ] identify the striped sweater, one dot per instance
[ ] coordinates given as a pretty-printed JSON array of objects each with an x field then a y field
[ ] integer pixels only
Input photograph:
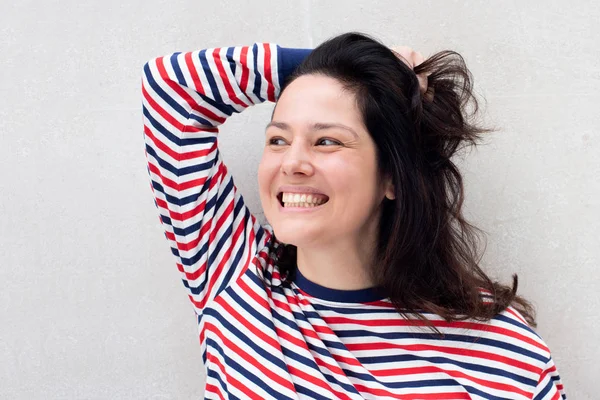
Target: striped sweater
[{"x": 262, "y": 338}]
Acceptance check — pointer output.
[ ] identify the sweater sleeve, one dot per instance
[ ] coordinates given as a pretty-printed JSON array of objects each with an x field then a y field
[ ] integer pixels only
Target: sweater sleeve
[
  {"x": 185, "y": 97},
  {"x": 549, "y": 385}
]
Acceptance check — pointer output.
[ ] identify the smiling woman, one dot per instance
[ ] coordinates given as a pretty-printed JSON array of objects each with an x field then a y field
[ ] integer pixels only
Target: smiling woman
[
  {"x": 317, "y": 142},
  {"x": 366, "y": 246}
]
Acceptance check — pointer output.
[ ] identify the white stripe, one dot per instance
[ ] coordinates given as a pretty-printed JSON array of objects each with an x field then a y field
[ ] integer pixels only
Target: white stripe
[{"x": 261, "y": 70}]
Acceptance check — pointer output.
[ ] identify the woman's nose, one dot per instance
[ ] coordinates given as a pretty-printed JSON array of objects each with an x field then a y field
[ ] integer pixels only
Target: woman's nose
[{"x": 296, "y": 161}]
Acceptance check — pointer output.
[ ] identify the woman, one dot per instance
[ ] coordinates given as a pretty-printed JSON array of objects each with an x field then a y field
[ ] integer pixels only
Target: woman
[{"x": 365, "y": 282}]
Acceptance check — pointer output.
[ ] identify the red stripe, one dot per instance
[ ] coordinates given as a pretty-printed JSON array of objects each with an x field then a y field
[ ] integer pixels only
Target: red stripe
[
  {"x": 268, "y": 74},
  {"x": 192, "y": 70},
  {"x": 260, "y": 335},
  {"x": 416, "y": 396},
  {"x": 182, "y": 94},
  {"x": 216, "y": 273},
  {"x": 414, "y": 348},
  {"x": 559, "y": 387},
  {"x": 161, "y": 111},
  {"x": 245, "y": 71},
  {"x": 516, "y": 315},
  {"x": 441, "y": 324},
  {"x": 258, "y": 300},
  {"x": 236, "y": 384},
  {"x": 226, "y": 258},
  {"x": 214, "y": 360},
  {"x": 225, "y": 79},
  {"x": 456, "y": 374},
  {"x": 175, "y": 155},
  {"x": 283, "y": 335},
  {"x": 210, "y": 388},
  {"x": 203, "y": 230},
  {"x": 272, "y": 375},
  {"x": 317, "y": 382},
  {"x": 176, "y": 186}
]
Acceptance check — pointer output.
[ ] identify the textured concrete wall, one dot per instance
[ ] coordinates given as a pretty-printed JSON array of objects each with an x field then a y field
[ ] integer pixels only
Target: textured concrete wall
[{"x": 91, "y": 305}]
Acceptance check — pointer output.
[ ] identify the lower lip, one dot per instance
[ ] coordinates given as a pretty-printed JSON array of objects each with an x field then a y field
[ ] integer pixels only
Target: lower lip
[{"x": 299, "y": 209}]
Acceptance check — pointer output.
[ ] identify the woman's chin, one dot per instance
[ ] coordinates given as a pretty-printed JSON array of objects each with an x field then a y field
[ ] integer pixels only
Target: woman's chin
[{"x": 296, "y": 236}]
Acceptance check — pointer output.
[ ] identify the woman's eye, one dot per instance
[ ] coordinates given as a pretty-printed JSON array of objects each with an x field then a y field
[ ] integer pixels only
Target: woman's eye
[
  {"x": 276, "y": 141},
  {"x": 331, "y": 142}
]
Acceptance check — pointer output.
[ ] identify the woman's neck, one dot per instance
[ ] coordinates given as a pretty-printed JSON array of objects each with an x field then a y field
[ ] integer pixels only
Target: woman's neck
[{"x": 343, "y": 264}]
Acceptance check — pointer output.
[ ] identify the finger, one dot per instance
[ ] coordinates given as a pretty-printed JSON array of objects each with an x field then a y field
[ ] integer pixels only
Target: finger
[
  {"x": 422, "y": 83},
  {"x": 417, "y": 58},
  {"x": 405, "y": 54}
]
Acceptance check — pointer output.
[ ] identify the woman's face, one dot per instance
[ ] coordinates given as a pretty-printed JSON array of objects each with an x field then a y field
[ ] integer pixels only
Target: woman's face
[{"x": 316, "y": 144}]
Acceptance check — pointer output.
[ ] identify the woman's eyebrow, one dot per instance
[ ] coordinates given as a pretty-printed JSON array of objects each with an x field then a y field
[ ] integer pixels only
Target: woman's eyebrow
[{"x": 317, "y": 126}]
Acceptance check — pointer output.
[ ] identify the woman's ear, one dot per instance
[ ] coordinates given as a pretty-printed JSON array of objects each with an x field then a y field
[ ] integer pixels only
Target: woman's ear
[{"x": 390, "y": 193}]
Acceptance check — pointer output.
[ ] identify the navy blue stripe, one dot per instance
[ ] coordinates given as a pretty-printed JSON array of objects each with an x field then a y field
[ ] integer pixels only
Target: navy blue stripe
[
  {"x": 516, "y": 323},
  {"x": 166, "y": 134},
  {"x": 384, "y": 359},
  {"x": 447, "y": 337},
  {"x": 231, "y": 60},
  {"x": 551, "y": 383},
  {"x": 176, "y": 69},
  {"x": 162, "y": 94},
  {"x": 357, "y": 310},
  {"x": 294, "y": 327},
  {"x": 309, "y": 393},
  {"x": 211, "y": 260},
  {"x": 165, "y": 165},
  {"x": 337, "y": 295},
  {"x": 257, "y": 76},
  {"x": 484, "y": 395},
  {"x": 330, "y": 344},
  {"x": 436, "y": 360},
  {"x": 180, "y": 172},
  {"x": 179, "y": 142},
  {"x": 270, "y": 326},
  {"x": 544, "y": 391},
  {"x": 210, "y": 204},
  {"x": 259, "y": 234},
  {"x": 324, "y": 352},
  {"x": 555, "y": 380},
  {"x": 209, "y": 76},
  {"x": 217, "y": 102},
  {"x": 226, "y": 190},
  {"x": 202, "y": 121},
  {"x": 214, "y": 373},
  {"x": 241, "y": 253},
  {"x": 238, "y": 334}
]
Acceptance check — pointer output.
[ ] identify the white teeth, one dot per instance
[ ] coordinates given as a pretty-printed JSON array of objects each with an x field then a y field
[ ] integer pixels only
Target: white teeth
[
  {"x": 301, "y": 200},
  {"x": 306, "y": 205}
]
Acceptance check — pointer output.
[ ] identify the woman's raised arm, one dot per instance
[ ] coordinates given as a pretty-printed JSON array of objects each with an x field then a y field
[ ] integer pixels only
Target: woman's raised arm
[{"x": 186, "y": 96}]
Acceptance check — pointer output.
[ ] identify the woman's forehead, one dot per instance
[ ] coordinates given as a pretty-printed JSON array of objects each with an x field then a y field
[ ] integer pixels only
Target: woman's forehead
[{"x": 314, "y": 99}]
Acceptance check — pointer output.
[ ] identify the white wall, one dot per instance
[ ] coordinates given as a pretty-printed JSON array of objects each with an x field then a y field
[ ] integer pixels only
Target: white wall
[{"x": 91, "y": 305}]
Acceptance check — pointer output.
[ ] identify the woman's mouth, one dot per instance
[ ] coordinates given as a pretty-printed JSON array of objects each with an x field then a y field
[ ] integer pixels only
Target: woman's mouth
[{"x": 301, "y": 200}]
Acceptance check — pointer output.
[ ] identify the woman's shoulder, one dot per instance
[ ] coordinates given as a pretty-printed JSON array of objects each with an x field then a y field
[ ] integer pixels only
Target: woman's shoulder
[
  {"x": 512, "y": 329},
  {"x": 266, "y": 258}
]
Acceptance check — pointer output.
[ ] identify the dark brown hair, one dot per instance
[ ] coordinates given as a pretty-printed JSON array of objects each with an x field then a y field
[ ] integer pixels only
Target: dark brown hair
[{"x": 427, "y": 253}]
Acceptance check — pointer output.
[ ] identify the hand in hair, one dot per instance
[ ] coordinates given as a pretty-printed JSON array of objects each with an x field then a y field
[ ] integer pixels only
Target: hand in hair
[{"x": 412, "y": 58}]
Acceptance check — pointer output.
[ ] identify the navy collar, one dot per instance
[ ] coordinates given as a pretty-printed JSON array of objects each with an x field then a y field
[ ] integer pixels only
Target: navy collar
[{"x": 338, "y": 295}]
